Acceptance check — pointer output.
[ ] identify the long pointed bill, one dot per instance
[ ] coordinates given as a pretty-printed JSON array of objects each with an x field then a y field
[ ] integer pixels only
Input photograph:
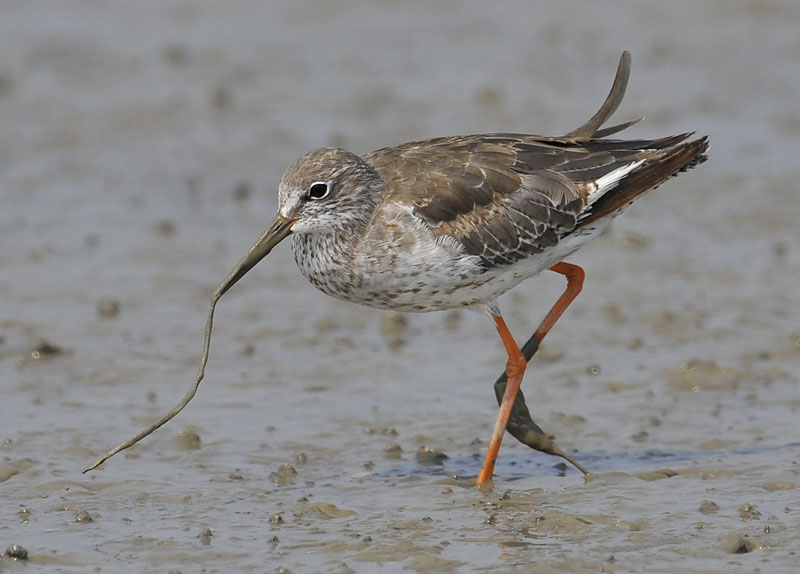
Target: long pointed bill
[{"x": 276, "y": 232}]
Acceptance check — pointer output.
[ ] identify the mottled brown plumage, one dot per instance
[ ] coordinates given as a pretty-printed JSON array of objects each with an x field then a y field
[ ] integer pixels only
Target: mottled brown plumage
[{"x": 507, "y": 196}]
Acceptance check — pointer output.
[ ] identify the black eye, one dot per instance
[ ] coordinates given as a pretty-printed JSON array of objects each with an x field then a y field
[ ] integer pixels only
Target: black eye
[{"x": 318, "y": 190}]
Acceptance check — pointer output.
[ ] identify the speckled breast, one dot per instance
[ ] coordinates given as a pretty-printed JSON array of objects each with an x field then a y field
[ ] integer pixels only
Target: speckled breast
[{"x": 402, "y": 271}]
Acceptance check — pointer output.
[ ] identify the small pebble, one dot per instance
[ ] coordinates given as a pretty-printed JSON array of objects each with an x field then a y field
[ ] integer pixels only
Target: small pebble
[
  {"x": 393, "y": 451},
  {"x": 44, "y": 349},
  {"x": 82, "y": 516},
  {"x": 188, "y": 440},
  {"x": 708, "y": 507},
  {"x": 285, "y": 475},
  {"x": 749, "y": 512},
  {"x": 24, "y": 515},
  {"x": 426, "y": 455},
  {"x": 205, "y": 536},
  {"x": 16, "y": 552},
  {"x": 286, "y": 469},
  {"x": 738, "y": 544}
]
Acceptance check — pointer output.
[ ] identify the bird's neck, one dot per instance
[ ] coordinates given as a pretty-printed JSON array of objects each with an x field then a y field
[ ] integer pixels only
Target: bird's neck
[{"x": 330, "y": 250}]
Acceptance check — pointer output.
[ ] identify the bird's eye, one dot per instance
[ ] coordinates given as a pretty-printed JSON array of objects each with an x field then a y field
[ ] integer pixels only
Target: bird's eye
[{"x": 318, "y": 190}]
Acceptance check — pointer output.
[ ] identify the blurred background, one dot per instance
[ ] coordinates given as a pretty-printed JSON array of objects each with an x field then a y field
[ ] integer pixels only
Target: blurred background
[{"x": 141, "y": 148}]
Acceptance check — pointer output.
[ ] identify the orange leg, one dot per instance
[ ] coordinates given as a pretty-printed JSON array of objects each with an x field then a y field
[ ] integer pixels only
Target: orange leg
[
  {"x": 515, "y": 369},
  {"x": 575, "y": 276}
]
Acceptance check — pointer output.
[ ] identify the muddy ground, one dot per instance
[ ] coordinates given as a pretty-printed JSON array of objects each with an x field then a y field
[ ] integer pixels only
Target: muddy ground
[{"x": 140, "y": 153}]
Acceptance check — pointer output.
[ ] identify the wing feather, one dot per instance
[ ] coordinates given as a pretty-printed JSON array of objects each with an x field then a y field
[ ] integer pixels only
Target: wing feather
[{"x": 503, "y": 196}]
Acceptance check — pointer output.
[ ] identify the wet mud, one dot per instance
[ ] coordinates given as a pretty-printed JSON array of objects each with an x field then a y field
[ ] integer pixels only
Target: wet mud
[{"x": 142, "y": 145}]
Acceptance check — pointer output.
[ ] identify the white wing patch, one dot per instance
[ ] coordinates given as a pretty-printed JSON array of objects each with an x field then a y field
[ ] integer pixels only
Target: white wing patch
[{"x": 599, "y": 187}]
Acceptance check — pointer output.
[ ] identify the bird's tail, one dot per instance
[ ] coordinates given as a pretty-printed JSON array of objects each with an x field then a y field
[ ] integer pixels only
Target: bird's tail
[{"x": 673, "y": 158}]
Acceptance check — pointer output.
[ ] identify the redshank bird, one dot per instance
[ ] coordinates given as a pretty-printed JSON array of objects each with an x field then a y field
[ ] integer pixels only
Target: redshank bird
[{"x": 457, "y": 221}]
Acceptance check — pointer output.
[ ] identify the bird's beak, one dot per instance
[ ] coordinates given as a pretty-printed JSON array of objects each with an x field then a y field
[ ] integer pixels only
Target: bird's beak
[{"x": 276, "y": 232}]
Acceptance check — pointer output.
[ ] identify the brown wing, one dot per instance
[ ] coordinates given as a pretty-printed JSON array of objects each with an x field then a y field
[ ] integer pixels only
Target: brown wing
[
  {"x": 504, "y": 196},
  {"x": 500, "y": 202}
]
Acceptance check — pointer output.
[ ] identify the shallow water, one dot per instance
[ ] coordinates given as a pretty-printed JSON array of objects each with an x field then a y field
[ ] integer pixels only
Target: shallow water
[{"x": 142, "y": 145}]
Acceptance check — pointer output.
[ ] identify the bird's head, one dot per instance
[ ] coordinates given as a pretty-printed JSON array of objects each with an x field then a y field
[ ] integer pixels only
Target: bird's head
[{"x": 325, "y": 191}]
